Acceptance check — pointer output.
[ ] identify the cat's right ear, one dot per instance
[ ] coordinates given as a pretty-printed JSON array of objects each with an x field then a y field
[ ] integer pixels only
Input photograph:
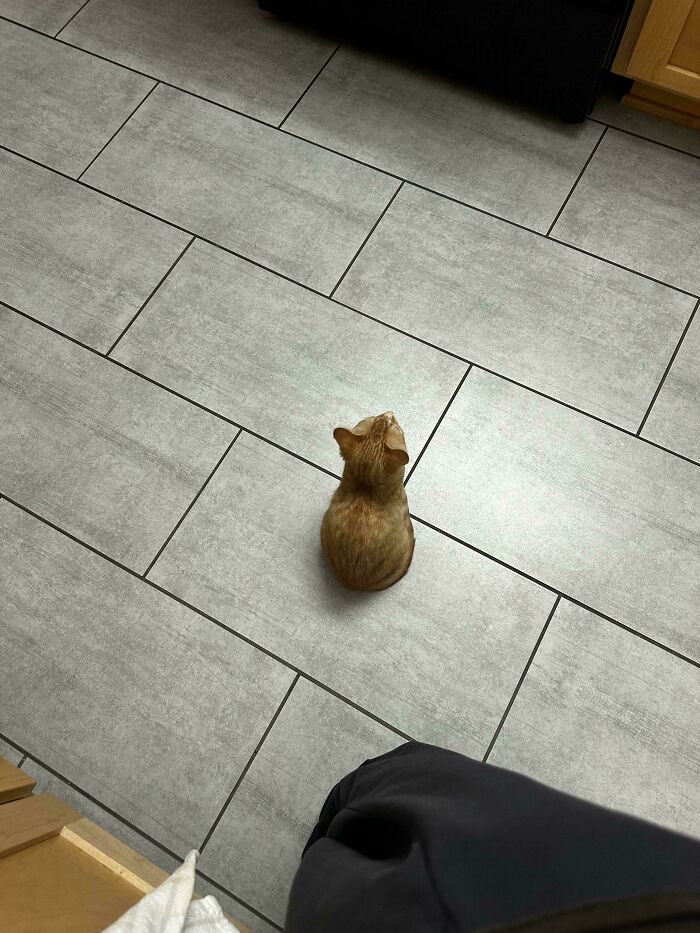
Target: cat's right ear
[{"x": 347, "y": 441}]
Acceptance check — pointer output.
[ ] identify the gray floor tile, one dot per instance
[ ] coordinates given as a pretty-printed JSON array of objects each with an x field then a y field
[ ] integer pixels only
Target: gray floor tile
[
  {"x": 160, "y": 709},
  {"x": 45, "y": 15},
  {"x": 638, "y": 204},
  {"x": 233, "y": 908},
  {"x": 674, "y": 421},
  {"x": 446, "y": 136},
  {"x": 73, "y": 258},
  {"x": 437, "y": 656},
  {"x": 315, "y": 742},
  {"x": 229, "y": 51},
  {"x": 276, "y": 199},
  {"x": 280, "y": 360},
  {"x": 13, "y": 755},
  {"x": 95, "y": 449},
  {"x": 601, "y": 516},
  {"x": 59, "y": 106},
  {"x": 610, "y": 110},
  {"x": 605, "y": 715},
  {"x": 581, "y": 330}
]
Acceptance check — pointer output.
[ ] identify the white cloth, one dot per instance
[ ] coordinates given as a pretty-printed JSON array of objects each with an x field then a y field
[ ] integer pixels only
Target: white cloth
[{"x": 169, "y": 908}]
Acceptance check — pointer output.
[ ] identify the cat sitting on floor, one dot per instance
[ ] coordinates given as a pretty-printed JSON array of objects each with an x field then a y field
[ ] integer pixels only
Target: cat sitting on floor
[{"x": 366, "y": 533}]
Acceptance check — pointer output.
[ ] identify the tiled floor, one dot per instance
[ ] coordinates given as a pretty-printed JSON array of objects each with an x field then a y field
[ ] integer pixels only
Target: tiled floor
[{"x": 220, "y": 237}]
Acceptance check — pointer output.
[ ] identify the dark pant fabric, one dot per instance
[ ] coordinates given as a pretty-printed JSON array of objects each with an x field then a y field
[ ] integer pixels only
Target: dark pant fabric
[{"x": 424, "y": 839}]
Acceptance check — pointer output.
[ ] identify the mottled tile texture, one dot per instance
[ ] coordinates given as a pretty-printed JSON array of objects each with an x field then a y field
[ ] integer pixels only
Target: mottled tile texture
[
  {"x": 213, "y": 220},
  {"x": 81, "y": 100}
]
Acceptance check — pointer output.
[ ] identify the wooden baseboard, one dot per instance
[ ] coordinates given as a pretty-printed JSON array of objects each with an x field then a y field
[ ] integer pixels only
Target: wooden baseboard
[{"x": 664, "y": 104}]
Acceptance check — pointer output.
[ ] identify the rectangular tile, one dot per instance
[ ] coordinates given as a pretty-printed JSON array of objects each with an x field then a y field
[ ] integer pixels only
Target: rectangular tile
[
  {"x": 228, "y": 51},
  {"x": 315, "y": 742},
  {"x": 280, "y": 360},
  {"x": 674, "y": 421},
  {"x": 48, "y": 783},
  {"x": 638, "y": 204},
  {"x": 100, "y": 452},
  {"x": 278, "y": 200},
  {"x": 437, "y": 656},
  {"x": 159, "y": 709},
  {"x": 581, "y": 330},
  {"x": 13, "y": 755},
  {"x": 59, "y": 106},
  {"x": 597, "y": 514},
  {"x": 446, "y": 136},
  {"x": 45, "y": 15},
  {"x": 605, "y": 715},
  {"x": 73, "y": 258}
]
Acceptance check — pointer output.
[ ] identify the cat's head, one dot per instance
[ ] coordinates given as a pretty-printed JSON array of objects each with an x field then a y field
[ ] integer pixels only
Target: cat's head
[{"x": 375, "y": 449}]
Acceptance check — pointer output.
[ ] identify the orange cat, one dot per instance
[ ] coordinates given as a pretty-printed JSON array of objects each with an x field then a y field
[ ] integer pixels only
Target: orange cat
[{"x": 366, "y": 533}]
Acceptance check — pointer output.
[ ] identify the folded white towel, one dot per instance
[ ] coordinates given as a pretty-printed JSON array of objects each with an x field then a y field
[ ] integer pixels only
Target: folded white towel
[{"x": 169, "y": 908}]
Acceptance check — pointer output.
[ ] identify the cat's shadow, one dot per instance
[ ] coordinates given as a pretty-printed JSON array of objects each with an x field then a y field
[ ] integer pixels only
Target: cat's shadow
[{"x": 337, "y": 598}]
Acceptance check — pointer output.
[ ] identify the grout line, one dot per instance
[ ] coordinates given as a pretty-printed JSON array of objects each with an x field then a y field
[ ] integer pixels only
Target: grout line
[
  {"x": 667, "y": 450},
  {"x": 586, "y": 414},
  {"x": 59, "y": 333},
  {"x": 552, "y": 589},
  {"x": 308, "y": 87},
  {"x": 293, "y": 667},
  {"x": 239, "y": 900},
  {"x": 449, "y": 353},
  {"x": 291, "y": 453},
  {"x": 647, "y": 139},
  {"x": 632, "y": 631},
  {"x": 360, "y": 709},
  {"x": 369, "y": 316},
  {"x": 437, "y": 425},
  {"x": 131, "y": 826},
  {"x": 22, "y": 760},
  {"x": 189, "y": 507},
  {"x": 578, "y": 179},
  {"x": 482, "y": 553},
  {"x": 207, "y": 100},
  {"x": 176, "y": 87},
  {"x": 668, "y": 368},
  {"x": 618, "y": 265},
  {"x": 407, "y": 181},
  {"x": 213, "y": 619},
  {"x": 342, "y": 155},
  {"x": 177, "y": 260},
  {"x": 248, "y": 430},
  {"x": 79, "y": 10},
  {"x": 143, "y": 100},
  {"x": 92, "y": 799},
  {"x": 160, "y": 385},
  {"x": 522, "y": 678},
  {"x": 364, "y": 242},
  {"x": 245, "y": 770}
]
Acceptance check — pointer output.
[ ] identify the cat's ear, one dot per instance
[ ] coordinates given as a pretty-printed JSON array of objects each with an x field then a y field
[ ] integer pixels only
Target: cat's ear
[
  {"x": 347, "y": 441},
  {"x": 397, "y": 456},
  {"x": 395, "y": 448}
]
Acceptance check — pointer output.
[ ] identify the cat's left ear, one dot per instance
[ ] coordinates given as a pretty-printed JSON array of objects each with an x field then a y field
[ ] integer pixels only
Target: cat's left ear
[
  {"x": 395, "y": 448},
  {"x": 396, "y": 456}
]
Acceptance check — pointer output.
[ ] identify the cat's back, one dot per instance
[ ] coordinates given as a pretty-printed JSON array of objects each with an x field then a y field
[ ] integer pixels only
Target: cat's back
[
  {"x": 356, "y": 517},
  {"x": 367, "y": 542}
]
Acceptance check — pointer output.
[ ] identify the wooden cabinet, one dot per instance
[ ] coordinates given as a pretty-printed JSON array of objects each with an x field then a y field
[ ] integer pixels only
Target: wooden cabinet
[{"x": 660, "y": 49}]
